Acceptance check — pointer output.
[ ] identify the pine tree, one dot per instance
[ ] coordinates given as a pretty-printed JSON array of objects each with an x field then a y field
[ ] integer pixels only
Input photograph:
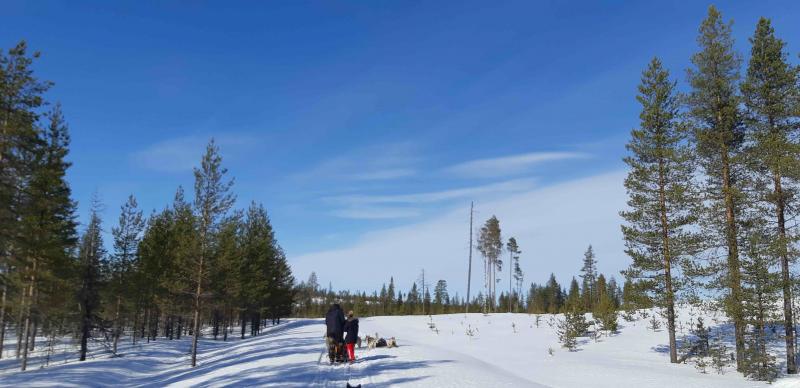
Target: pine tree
[
  {"x": 714, "y": 107},
  {"x": 46, "y": 224},
  {"x": 661, "y": 200},
  {"x": 770, "y": 94},
  {"x": 761, "y": 288},
  {"x": 490, "y": 245},
  {"x": 20, "y": 98},
  {"x": 230, "y": 282},
  {"x": 589, "y": 277},
  {"x": 213, "y": 198},
  {"x": 573, "y": 324},
  {"x": 514, "y": 271},
  {"x": 92, "y": 258},
  {"x": 127, "y": 235}
]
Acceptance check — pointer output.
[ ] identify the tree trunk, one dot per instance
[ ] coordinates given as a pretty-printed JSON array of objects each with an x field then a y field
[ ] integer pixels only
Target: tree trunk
[
  {"x": 791, "y": 362},
  {"x": 33, "y": 334},
  {"x": 85, "y": 331},
  {"x": 116, "y": 330},
  {"x": 243, "y": 322},
  {"x": 216, "y": 323},
  {"x": 225, "y": 320},
  {"x": 20, "y": 323},
  {"x": 670, "y": 294},
  {"x": 27, "y": 308},
  {"x": 196, "y": 323},
  {"x": 135, "y": 325},
  {"x": 734, "y": 274},
  {"x": 510, "y": 258},
  {"x": 3, "y": 319},
  {"x": 146, "y": 324}
]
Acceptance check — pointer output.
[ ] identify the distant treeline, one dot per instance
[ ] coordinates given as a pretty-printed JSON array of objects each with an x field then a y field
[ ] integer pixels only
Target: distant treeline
[{"x": 587, "y": 295}]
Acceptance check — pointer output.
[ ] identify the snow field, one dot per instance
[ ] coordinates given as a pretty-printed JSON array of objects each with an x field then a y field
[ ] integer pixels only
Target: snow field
[{"x": 433, "y": 352}]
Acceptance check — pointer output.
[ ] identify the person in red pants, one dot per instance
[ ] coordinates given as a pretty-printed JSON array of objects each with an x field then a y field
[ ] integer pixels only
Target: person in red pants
[{"x": 351, "y": 327}]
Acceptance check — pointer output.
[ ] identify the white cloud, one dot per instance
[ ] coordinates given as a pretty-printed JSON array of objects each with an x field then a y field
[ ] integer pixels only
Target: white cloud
[
  {"x": 436, "y": 196},
  {"x": 391, "y": 173},
  {"x": 390, "y": 206},
  {"x": 376, "y": 212},
  {"x": 374, "y": 163},
  {"x": 507, "y": 165},
  {"x": 553, "y": 225},
  {"x": 183, "y": 153}
]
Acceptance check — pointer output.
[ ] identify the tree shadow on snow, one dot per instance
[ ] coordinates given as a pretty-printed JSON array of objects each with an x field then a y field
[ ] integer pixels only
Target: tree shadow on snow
[
  {"x": 313, "y": 374},
  {"x": 725, "y": 334},
  {"x": 146, "y": 365}
]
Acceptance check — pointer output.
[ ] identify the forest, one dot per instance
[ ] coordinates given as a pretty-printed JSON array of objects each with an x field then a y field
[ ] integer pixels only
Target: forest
[{"x": 197, "y": 267}]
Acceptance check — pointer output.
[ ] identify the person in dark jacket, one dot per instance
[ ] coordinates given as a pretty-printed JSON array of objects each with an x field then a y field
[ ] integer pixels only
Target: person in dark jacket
[
  {"x": 351, "y": 327},
  {"x": 334, "y": 321}
]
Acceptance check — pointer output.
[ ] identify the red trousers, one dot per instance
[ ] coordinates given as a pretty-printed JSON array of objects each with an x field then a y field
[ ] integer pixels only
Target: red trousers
[{"x": 351, "y": 352}]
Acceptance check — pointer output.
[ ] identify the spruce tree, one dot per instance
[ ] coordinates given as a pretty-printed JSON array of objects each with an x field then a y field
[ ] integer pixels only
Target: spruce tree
[
  {"x": 390, "y": 295},
  {"x": 553, "y": 295},
  {"x": 714, "y": 107},
  {"x": 440, "y": 296},
  {"x": 605, "y": 312},
  {"x": 661, "y": 200},
  {"x": 771, "y": 96},
  {"x": 589, "y": 277}
]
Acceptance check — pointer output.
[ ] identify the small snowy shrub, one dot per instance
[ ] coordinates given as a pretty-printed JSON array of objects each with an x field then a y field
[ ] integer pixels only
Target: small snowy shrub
[{"x": 655, "y": 323}]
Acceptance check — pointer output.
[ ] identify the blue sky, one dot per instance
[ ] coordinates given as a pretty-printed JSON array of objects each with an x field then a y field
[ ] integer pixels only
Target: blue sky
[{"x": 367, "y": 127}]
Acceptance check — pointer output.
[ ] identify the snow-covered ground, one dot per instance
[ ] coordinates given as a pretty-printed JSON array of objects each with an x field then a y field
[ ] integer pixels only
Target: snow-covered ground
[{"x": 505, "y": 350}]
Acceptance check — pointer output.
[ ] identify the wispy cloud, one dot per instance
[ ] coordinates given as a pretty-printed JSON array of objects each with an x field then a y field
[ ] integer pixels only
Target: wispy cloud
[
  {"x": 183, "y": 153},
  {"x": 507, "y": 165},
  {"x": 506, "y": 187},
  {"x": 374, "y": 163},
  {"x": 392, "y": 173},
  {"x": 376, "y": 212}
]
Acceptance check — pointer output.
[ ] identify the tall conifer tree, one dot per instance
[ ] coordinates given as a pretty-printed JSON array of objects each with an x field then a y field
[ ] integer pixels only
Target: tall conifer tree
[
  {"x": 127, "y": 235},
  {"x": 589, "y": 277},
  {"x": 212, "y": 200},
  {"x": 91, "y": 259},
  {"x": 714, "y": 107},
  {"x": 661, "y": 199},
  {"x": 490, "y": 245},
  {"x": 771, "y": 97}
]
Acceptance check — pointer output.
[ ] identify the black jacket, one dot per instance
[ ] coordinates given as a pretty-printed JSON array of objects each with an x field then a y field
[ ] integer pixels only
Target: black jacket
[
  {"x": 334, "y": 320},
  {"x": 351, "y": 327}
]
